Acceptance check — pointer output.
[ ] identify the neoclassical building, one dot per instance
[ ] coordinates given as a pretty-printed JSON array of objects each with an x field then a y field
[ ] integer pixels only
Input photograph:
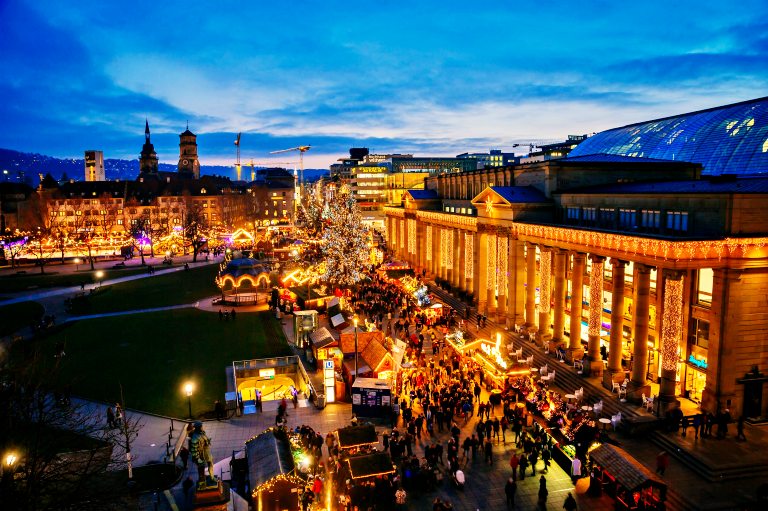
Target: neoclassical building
[{"x": 650, "y": 267}]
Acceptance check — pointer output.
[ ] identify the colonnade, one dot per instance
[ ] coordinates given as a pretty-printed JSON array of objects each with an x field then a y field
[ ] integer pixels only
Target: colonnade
[{"x": 503, "y": 274}]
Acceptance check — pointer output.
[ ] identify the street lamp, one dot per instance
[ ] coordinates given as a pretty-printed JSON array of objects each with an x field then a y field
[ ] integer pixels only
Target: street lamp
[
  {"x": 77, "y": 263},
  {"x": 354, "y": 320},
  {"x": 100, "y": 277},
  {"x": 189, "y": 387},
  {"x": 8, "y": 466},
  {"x": 10, "y": 459}
]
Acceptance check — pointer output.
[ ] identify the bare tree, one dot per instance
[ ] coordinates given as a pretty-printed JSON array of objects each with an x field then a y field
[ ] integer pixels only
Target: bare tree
[
  {"x": 13, "y": 247},
  {"x": 63, "y": 447},
  {"x": 195, "y": 228}
]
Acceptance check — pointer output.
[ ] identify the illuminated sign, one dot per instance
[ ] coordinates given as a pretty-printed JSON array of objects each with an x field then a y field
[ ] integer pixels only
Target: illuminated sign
[
  {"x": 698, "y": 362},
  {"x": 266, "y": 373}
]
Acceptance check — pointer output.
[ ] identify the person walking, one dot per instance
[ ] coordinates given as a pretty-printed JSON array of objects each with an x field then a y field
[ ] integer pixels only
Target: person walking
[
  {"x": 509, "y": 490},
  {"x": 514, "y": 461},
  {"x": 696, "y": 425},
  {"x": 523, "y": 464},
  {"x": 543, "y": 493},
  {"x": 740, "y": 429},
  {"x": 400, "y": 498},
  {"x": 570, "y": 503},
  {"x": 662, "y": 462},
  {"x": 488, "y": 451}
]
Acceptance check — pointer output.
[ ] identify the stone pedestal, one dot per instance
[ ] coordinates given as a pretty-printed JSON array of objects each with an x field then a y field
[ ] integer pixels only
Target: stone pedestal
[
  {"x": 611, "y": 377},
  {"x": 574, "y": 354},
  {"x": 212, "y": 497},
  {"x": 593, "y": 367},
  {"x": 635, "y": 392}
]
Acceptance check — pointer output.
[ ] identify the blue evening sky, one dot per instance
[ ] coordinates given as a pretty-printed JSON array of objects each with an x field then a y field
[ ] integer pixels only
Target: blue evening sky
[{"x": 428, "y": 77}]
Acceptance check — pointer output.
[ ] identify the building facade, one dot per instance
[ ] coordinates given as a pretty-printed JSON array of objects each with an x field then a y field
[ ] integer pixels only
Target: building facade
[{"x": 639, "y": 261}]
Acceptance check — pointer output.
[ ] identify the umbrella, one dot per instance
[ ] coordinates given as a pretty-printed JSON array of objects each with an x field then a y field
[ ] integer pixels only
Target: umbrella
[{"x": 582, "y": 485}]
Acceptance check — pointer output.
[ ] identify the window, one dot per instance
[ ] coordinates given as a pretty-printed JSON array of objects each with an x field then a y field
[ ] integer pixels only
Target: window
[
  {"x": 119, "y": 221},
  {"x": 607, "y": 217},
  {"x": 573, "y": 214},
  {"x": 700, "y": 333},
  {"x": 677, "y": 221},
  {"x": 589, "y": 214},
  {"x": 705, "y": 280},
  {"x": 628, "y": 218},
  {"x": 650, "y": 219},
  {"x": 78, "y": 212}
]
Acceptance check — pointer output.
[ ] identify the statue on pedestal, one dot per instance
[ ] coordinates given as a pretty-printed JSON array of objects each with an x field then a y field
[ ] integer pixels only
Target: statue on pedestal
[{"x": 200, "y": 452}]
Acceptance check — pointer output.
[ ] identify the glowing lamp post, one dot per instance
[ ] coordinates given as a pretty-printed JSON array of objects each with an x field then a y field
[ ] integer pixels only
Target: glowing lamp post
[
  {"x": 354, "y": 320},
  {"x": 189, "y": 387},
  {"x": 77, "y": 263},
  {"x": 100, "y": 277},
  {"x": 9, "y": 466}
]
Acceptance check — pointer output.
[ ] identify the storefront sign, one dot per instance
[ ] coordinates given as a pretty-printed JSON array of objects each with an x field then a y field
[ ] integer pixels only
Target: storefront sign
[
  {"x": 322, "y": 354},
  {"x": 698, "y": 362},
  {"x": 266, "y": 373}
]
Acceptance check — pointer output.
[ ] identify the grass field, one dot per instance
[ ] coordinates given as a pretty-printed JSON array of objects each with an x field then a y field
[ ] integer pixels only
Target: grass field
[
  {"x": 152, "y": 355},
  {"x": 162, "y": 290},
  {"x": 32, "y": 279},
  {"x": 19, "y": 315}
]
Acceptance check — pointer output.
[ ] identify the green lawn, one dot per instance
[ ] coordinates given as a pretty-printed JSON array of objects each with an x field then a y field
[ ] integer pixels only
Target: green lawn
[
  {"x": 19, "y": 315},
  {"x": 152, "y": 355},
  {"x": 159, "y": 291},
  {"x": 32, "y": 279}
]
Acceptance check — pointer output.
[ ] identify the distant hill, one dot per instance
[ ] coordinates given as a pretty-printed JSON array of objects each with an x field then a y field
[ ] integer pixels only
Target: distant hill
[{"x": 26, "y": 167}]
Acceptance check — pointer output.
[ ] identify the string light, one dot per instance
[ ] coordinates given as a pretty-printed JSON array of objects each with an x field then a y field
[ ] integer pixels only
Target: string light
[
  {"x": 469, "y": 248},
  {"x": 411, "y": 236},
  {"x": 401, "y": 229},
  {"x": 428, "y": 242},
  {"x": 501, "y": 270},
  {"x": 595, "y": 296},
  {"x": 491, "y": 262},
  {"x": 448, "y": 249},
  {"x": 672, "y": 326},
  {"x": 545, "y": 272}
]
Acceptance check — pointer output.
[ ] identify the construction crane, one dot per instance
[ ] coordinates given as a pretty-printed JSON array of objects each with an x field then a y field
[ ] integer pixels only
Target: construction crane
[
  {"x": 530, "y": 146},
  {"x": 301, "y": 149},
  {"x": 238, "y": 169}
]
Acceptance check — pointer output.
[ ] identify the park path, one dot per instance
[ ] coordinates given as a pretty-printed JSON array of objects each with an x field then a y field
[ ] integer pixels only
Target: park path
[
  {"x": 134, "y": 311},
  {"x": 35, "y": 295}
]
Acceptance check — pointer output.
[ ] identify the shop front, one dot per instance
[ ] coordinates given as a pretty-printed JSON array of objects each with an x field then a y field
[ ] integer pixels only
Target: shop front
[
  {"x": 626, "y": 480},
  {"x": 695, "y": 373}
]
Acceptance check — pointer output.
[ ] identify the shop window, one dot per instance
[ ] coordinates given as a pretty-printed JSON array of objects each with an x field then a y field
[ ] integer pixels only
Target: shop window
[
  {"x": 700, "y": 333},
  {"x": 704, "y": 293}
]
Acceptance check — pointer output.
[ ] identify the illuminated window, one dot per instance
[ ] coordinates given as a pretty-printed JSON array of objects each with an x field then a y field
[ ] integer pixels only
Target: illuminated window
[
  {"x": 706, "y": 279},
  {"x": 79, "y": 213},
  {"x": 677, "y": 221}
]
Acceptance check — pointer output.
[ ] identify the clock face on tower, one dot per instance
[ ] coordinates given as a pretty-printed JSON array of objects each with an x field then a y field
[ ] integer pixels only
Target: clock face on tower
[{"x": 185, "y": 162}]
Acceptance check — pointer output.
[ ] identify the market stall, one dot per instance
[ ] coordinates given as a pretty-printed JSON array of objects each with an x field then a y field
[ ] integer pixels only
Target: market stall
[
  {"x": 371, "y": 397},
  {"x": 271, "y": 472},
  {"x": 324, "y": 347},
  {"x": 353, "y": 439},
  {"x": 366, "y": 466},
  {"x": 627, "y": 480}
]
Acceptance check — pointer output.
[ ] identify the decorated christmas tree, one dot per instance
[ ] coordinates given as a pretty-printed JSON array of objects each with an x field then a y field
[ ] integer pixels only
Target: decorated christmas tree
[{"x": 344, "y": 248}]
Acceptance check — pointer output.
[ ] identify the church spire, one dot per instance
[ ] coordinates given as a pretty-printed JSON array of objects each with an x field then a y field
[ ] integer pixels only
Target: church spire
[{"x": 146, "y": 129}]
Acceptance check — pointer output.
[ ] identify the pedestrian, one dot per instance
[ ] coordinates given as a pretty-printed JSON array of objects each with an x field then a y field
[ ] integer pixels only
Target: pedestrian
[
  {"x": 575, "y": 469},
  {"x": 546, "y": 456},
  {"x": 488, "y": 451},
  {"x": 221, "y": 315},
  {"x": 543, "y": 493},
  {"x": 514, "y": 461},
  {"x": 110, "y": 418},
  {"x": 685, "y": 422},
  {"x": 740, "y": 429},
  {"x": 662, "y": 462},
  {"x": 187, "y": 485},
  {"x": 400, "y": 498},
  {"x": 696, "y": 425},
  {"x": 184, "y": 455},
  {"x": 523, "y": 464},
  {"x": 510, "y": 489},
  {"x": 233, "y": 313},
  {"x": 570, "y": 503}
]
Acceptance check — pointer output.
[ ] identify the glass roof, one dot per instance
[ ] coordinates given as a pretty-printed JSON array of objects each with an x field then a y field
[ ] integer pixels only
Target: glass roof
[{"x": 731, "y": 139}]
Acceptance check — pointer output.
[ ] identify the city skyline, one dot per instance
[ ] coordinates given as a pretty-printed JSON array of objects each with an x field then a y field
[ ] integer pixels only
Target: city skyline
[{"x": 428, "y": 80}]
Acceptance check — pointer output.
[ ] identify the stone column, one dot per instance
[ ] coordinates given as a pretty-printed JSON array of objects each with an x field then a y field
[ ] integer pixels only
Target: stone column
[
  {"x": 480, "y": 273},
  {"x": 671, "y": 333},
  {"x": 638, "y": 383},
  {"x": 545, "y": 296},
  {"x": 502, "y": 262},
  {"x": 516, "y": 282},
  {"x": 594, "y": 326},
  {"x": 530, "y": 285},
  {"x": 490, "y": 285},
  {"x": 615, "y": 371},
  {"x": 558, "y": 331},
  {"x": 575, "y": 350}
]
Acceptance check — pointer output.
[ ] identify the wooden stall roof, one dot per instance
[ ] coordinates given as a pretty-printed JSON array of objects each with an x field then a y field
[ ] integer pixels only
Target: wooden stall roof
[
  {"x": 363, "y": 338},
  {"x": 370, "y": 465},
  {"x": 629, "y": 472},
  {"x": 375, "y": 354},
  {"x": 322, "y": 338},
  {"x": 268, "y": 456},
  {"x": 353, "y": 436}
]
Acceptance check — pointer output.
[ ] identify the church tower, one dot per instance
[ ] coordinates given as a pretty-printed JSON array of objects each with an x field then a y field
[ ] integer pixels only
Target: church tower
[
  {"x": 148, "y": 158},
  {"x": 188, "y": 162}
]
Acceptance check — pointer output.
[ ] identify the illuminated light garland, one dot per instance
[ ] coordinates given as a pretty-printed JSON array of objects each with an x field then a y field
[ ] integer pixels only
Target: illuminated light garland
[
  {"x": 672, "y": 327},
  {"x": 596, "y": 297},
  {"x": 469, "y": 255},
  {"x": 491, "y": 262},
  {"x": 545, "y": 272},
  {"x": 428, "y": 242},
  {"x": 401, "y": 229},
  {"x": 411, "y": 236},
  {"x": 449, "y": 248},
  {"x": 501, "y": 268}
]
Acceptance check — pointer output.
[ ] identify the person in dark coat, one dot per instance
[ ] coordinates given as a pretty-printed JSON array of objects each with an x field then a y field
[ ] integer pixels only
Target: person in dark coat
[{"x": 509, "y": 490}]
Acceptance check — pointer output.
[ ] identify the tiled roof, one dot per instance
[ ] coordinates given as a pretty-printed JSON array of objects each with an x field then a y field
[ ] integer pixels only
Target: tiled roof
[
  {"x": 374, "y": 354},
  {"x": 614, "y": 158},
  {"x": 351, "y": 436},
  {"x": 368, "y": 465},
  {"x": 268, "y": 456},
  {"x": 701, "y": 186},
  {"x": 520, "y": 194},
  {"x": 363, "y": 338}
]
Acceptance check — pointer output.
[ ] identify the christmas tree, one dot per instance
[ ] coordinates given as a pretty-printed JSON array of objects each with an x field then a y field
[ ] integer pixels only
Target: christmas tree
[{"x": 344, "y": 249}]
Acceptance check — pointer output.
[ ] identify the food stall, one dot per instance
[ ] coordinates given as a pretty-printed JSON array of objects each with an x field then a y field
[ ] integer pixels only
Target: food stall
[
  {"x": 324, "y": 347},
  {"x": 488, "y": 355},
  {"x": 352, "y": 439},
  {"x": 627, "y": 480},
  {"x": 271, "y": 474},
  {"x": 371, "y": 397}
]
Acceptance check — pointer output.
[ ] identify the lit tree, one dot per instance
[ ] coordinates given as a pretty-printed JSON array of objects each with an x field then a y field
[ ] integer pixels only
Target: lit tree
[
  {"x": 345, "y": 251},
  {"x": 13, "y": 246}
]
